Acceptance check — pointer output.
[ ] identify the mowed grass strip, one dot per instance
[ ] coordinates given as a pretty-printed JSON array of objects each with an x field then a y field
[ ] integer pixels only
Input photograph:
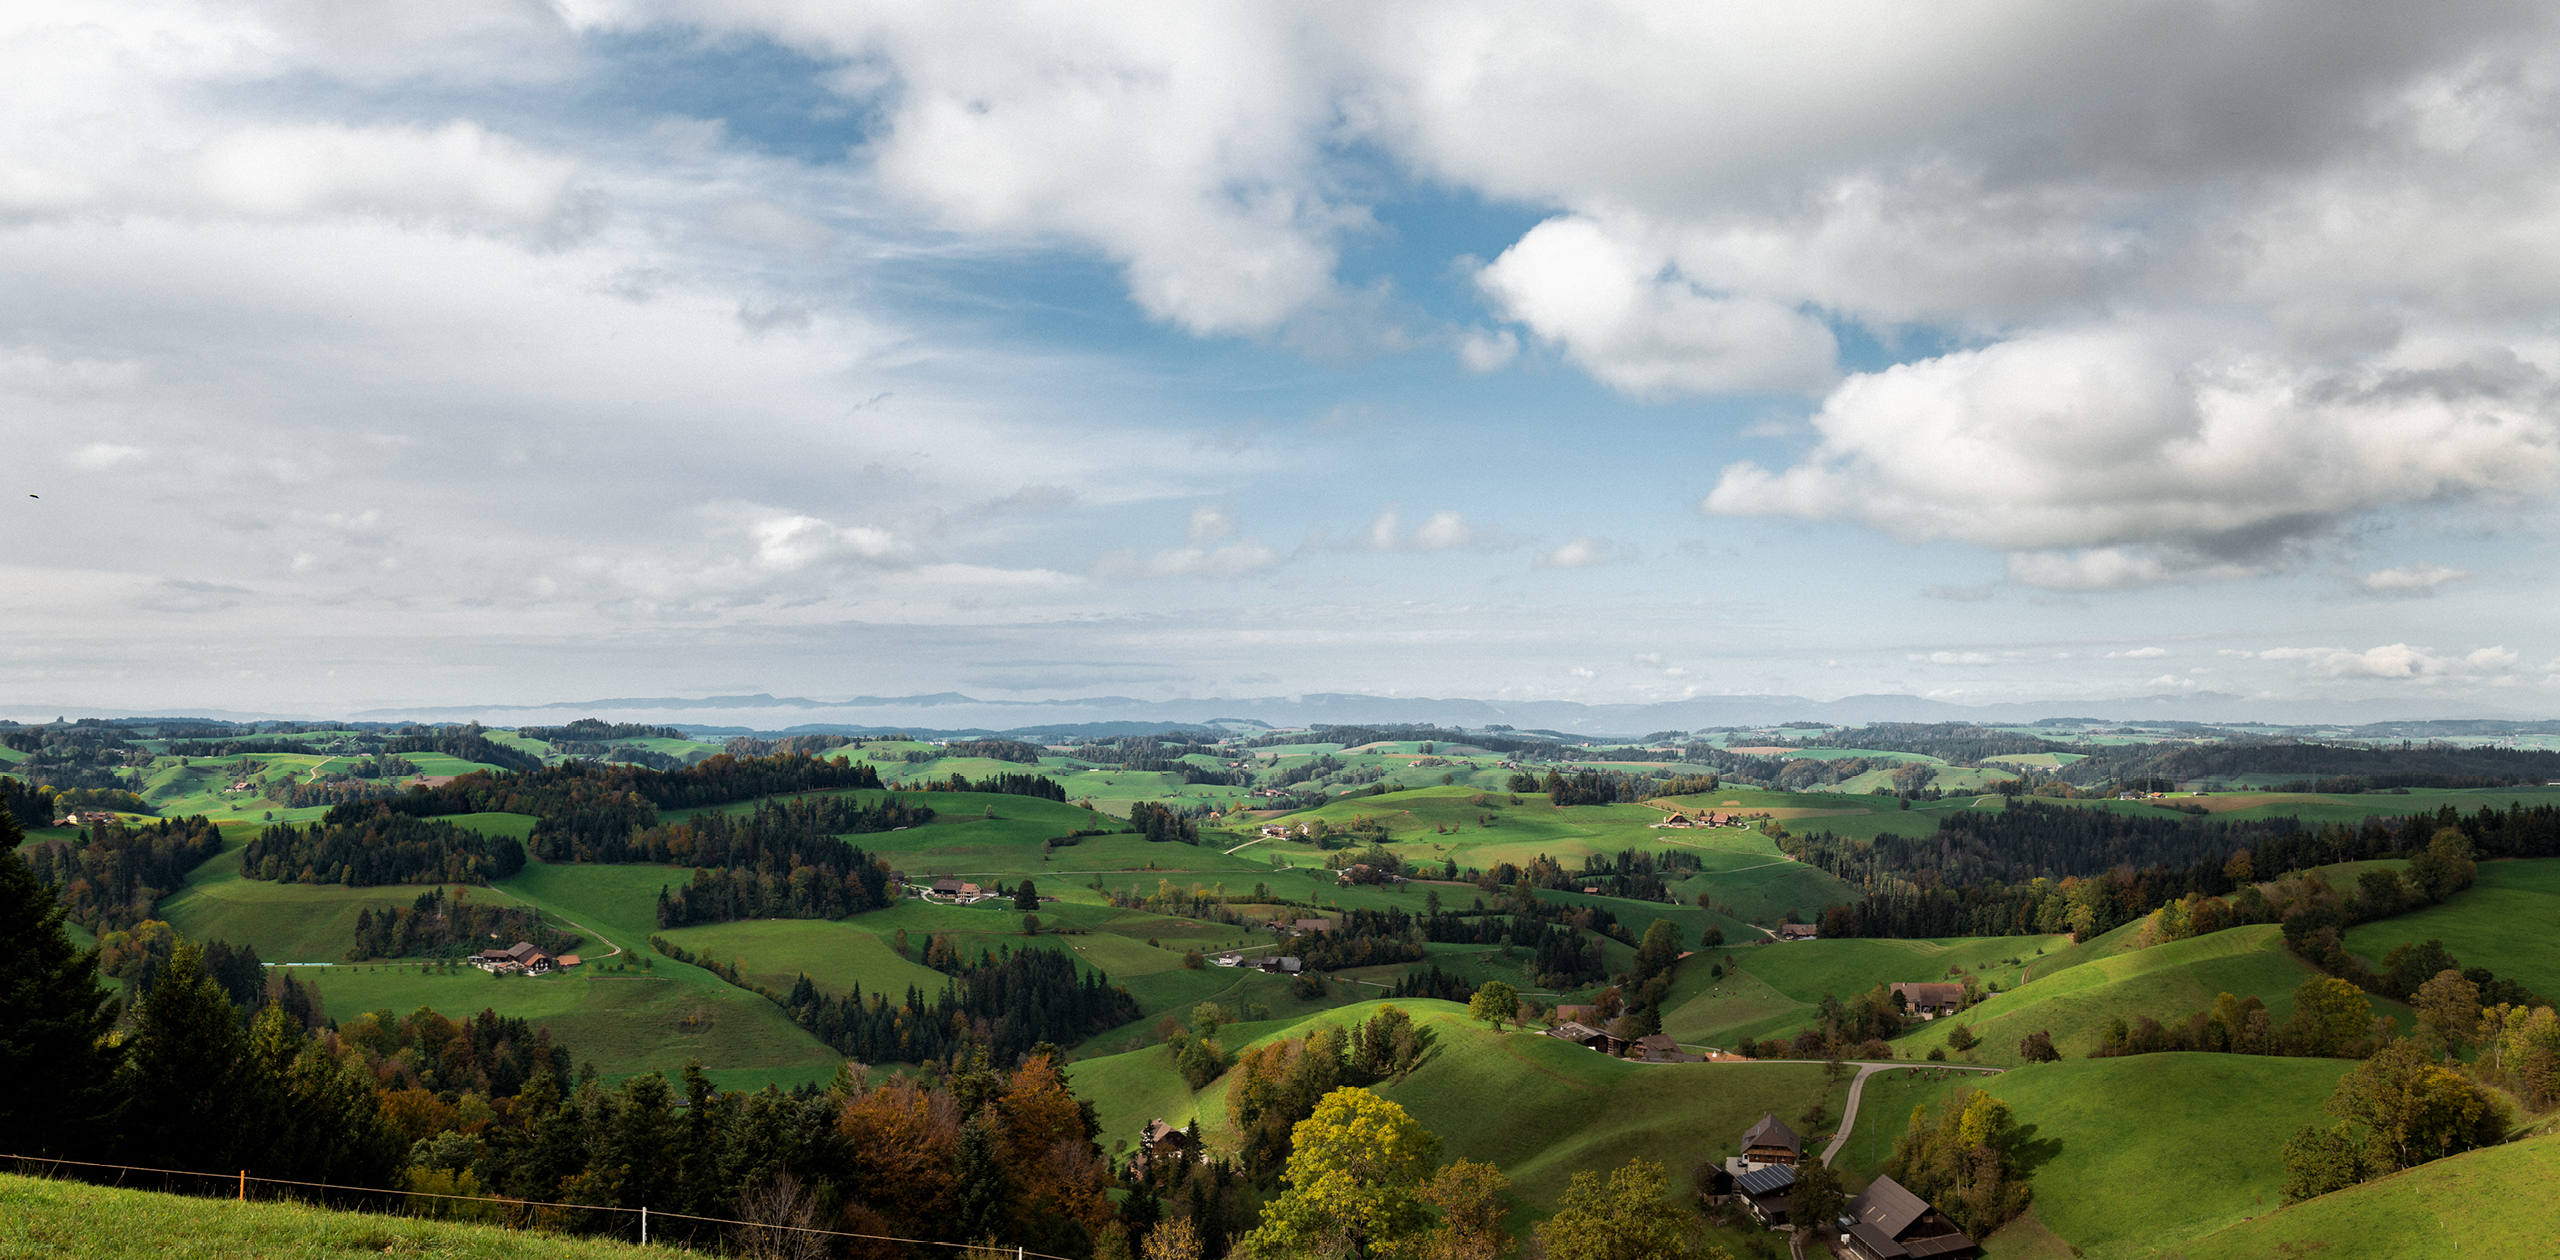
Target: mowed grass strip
[{"x": 71, "y": 1219}]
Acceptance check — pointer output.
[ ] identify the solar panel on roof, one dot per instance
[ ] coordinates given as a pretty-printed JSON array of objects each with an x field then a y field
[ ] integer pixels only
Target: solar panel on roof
[{"x": 1768, "y": 1180}]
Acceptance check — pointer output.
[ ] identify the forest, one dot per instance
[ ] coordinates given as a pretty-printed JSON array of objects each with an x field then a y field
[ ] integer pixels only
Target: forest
[{"x": 362, "y": 849}]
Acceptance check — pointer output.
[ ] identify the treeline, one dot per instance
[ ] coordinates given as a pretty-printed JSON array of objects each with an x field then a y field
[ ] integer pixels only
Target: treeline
[
  {"x": 2408, "y": 765},
  {"x": 1159, "y": 824},
  {"x": 581, "y": 807},
  {"x": 439, "y": 927},
  {"x": 1036, "y": 786},
  {"x": 776, "y": 833},
  {"x": 380, "y": 847},
  {"x": 1920, "y": 889},
  {"x": 1957, "y": 743},
  {"x": 463, "y": 746},
  {"x": 1012, "y": 750},
  {"x": 1273, "y": 1087},
  {"x": 115, "y": 875},
  {"x": 1005, "y": 1003},
  {"x": 595, "y": 731}
]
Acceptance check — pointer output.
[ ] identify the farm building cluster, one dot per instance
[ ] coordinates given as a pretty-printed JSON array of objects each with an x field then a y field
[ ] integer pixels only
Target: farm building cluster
[
  {"x": 521, "y": 958},
  {"x": 1885, "y": 1222}
]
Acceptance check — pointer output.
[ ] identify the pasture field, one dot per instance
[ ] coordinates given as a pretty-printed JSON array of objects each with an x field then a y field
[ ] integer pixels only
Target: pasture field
[
  {"x": 2499, "y": 923},
  {"x": 2132, "y": 1157},
  {"x": 40, "y": 1217},
  {"x": 1562, "y": 1108},
  {"x": 2492, "y": 1202},
  {"x": 2166, "y": 982}
]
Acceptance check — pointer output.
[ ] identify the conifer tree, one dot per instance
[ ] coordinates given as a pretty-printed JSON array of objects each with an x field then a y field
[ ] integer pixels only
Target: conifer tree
[
  {"x": 187, "y": 1079},
  {"x": 53, "y": 1019}
]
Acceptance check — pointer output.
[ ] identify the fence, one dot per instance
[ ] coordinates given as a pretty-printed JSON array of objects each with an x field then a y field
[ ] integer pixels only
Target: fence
[{"x": 515, "y": 1207}]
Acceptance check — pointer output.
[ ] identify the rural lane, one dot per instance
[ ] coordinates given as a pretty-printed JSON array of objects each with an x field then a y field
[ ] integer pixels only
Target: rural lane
[{"x": 1858, "y": 1089}]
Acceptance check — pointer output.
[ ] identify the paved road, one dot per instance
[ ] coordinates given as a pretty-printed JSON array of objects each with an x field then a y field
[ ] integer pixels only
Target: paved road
[{"x": 1858, "y": 1089}]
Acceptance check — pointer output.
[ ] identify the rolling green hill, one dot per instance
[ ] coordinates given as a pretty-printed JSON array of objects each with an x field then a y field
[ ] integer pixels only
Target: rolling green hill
[
  {"x": 2166, "y": 982},
  {"x": 2134, "y": 1156},
  {"x": 2479, "y": 924},
  {"x": 2493, "y": 1202}
]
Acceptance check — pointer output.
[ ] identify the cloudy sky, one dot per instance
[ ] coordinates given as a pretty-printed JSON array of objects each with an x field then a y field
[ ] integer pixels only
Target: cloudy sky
[{"x": 368, "y": 354}]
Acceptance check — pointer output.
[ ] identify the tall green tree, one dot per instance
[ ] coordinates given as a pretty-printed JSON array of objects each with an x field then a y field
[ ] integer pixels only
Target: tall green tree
[
  {"x": 189, "y": 1081},
  {"x": 53, "y": 1021},
  {"x": 1496, "y": 1003},
  {"x": 1626, "y": 1217}
]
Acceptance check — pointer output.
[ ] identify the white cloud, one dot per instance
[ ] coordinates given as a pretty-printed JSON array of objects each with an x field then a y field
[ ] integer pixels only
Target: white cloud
[
  {"x": 1484, "y": 351},
  {"x": 1955, "y": 658},
  {"x": 1440, "y": 531},
  {"x": 2138, "y": 654},
  {"x": 2102, "y": 460},
  {"x": 791, "y": 543},
  {"x": 104, "y": 455},
  {"x": 1579, "y": 553},
  {"x": 2173, "y": 683},
  {"x": 1615, "y": 311},
  {"x": 1208, "y": 524},
  {"x": 2398, "y": 661},
  {"x": 2415, "y": 579}
]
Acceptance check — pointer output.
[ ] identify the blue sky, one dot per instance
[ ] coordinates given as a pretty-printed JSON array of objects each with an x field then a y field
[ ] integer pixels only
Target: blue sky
[{"x": 517, "y": 352}]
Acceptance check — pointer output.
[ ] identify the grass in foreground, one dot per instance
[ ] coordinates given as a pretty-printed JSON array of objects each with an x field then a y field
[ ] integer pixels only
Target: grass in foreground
[{"x": 69, "y": 1219}]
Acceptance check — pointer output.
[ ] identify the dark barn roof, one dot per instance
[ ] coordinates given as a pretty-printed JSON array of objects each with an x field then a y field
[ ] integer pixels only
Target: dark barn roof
[
  {"x": 1760, "y": 1182},
  {"x": 1772, "y": 1131}
]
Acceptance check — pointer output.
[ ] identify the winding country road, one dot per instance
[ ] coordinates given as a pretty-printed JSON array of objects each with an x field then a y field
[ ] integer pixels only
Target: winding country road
[{"x": 1858, "y": 1089}]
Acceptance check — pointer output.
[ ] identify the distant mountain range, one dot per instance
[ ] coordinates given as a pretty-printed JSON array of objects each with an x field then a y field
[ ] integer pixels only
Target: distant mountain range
[{"x": 951, "y": 713}]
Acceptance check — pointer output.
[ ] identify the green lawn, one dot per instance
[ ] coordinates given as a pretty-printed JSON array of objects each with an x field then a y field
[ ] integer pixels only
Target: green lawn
[
  {"x": 69, "y": 1219},
  {"x": 2480, "y": 924},
  {"x": 2494, "y": 1202},
  {"x": 2132, "y": 1157}
]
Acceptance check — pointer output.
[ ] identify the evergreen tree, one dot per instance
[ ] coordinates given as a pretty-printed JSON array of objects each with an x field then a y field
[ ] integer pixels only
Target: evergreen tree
[
  {"x": 188, "y": 1080},
  {"x": 982, "y": 1193},
  {"x": 53, "y": 1020}
]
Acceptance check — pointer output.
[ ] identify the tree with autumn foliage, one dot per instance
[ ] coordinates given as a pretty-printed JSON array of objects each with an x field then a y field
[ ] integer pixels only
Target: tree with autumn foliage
[{"x": 1355, "y": 1182}]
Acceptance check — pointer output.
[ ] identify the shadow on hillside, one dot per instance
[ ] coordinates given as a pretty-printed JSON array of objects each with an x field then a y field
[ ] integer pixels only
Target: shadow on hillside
[{"x": 2034, "y": 1152}]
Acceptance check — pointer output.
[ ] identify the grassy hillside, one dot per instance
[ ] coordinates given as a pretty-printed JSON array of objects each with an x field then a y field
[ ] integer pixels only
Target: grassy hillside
[
  {"x": 2479, "y": 924},
  {"x": 2494, "y": 1202},
  {"x": 2132, "y": 1157},
  {"x": 2166, "y": 982},
  {"x": 1540, "y": 1108},
  {"x": 1774, "y": 988},
  {"x": 69, "y": 1219}
]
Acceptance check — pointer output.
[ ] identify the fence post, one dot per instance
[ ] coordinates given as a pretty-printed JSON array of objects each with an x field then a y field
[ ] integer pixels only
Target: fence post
[
  {"x": 244, "y": 1185},
  {"x": 644, "y": 1224}
]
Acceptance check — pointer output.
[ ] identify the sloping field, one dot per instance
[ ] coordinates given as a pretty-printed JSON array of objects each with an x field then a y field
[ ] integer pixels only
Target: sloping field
[
  {"x": 2481, "y": 924},
  {"x": 2166, "y": 982},
  {"x": 2132, "y": 1156},
  {"x": 2494, "y": 1202},
  {"x": 64, "y": 1218},
  {"x": 1538, "y": 1107}
]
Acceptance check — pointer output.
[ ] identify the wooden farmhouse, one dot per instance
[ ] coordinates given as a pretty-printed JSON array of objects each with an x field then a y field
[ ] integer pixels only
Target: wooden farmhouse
[
  {"x": 521, "y": 956},
  {"x": 1589, "y": 1037},
  {"x": 1157, "y": 1143},
  {"x": 1929, "y": 1001},
  {"x": 1891, "y": 1223},
  {"x": 1763, "y": 1192},
  {"x": 1771, "y": 1143},
  {"x": 1797, "y": 932}
]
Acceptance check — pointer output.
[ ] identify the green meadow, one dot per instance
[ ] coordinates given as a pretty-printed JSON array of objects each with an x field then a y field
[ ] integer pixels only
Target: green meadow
[
  {"x": 2131, "y": 1157},
  {"x": 2496, "y": 923},
  {"x": 2492, "y": 1202},
  {"x": 41, "y": 1217}
]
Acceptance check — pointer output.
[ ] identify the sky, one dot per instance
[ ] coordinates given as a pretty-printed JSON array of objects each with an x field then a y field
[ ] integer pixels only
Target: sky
[{"x": 491, "y": 351}]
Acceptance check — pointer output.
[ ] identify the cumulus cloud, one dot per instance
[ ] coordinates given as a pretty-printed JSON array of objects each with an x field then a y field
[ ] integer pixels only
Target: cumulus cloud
[
  {"x": 1628, "y": 321},
  {"x": 2415, "y": 579},
  {"x": 1207, "y": 526},
  {"x": 1439, "y": 532},
  {"x": 1580, "y": 553},
  {"x": 2138, "y": 654},
  {"x": 2103, "y": 460},
  {"x": 1955, "y": 658},
  {"x": 790, "y": 543},
  {"x": 2398, "y": 661}
]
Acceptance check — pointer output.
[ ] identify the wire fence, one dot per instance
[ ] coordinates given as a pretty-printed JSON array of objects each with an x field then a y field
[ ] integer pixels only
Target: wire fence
[{"x": 517, "y": 1209}]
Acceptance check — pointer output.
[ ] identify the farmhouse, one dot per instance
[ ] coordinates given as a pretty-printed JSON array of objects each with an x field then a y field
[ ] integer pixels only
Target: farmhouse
[
  {"x": 1589, "y": 1037},
  {"x": 1658, "y": 1048},
  {"x": 521, "y": 956},
  {"x": 1796, "y": 932},
  {"x": 1158, "y": 1141},
  {"x": 947, "y": 887},
  {"x": 1282, "y": 966},
  {"x": 1891, "y": 1223},
  {"x": 1771, "y": 1142},
  {"x": 1929, "y": 1001}
]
